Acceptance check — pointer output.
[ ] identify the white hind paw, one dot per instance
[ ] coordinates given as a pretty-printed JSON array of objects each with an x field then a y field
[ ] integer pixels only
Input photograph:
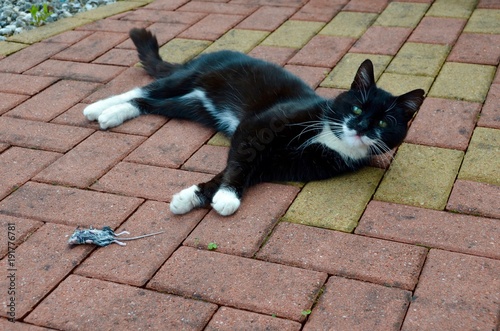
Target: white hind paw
[
  {"x": 225, "y": 202},
  {"x": 185, "y": 201},
  {"x": 116, "y": 115}
]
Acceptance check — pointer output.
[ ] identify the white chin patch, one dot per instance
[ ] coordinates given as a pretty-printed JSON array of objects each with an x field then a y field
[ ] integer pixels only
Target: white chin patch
[
  {"x": 225, "y": 202},
  {"x": 348, "y": 146},
  {"x": 185, "y": 201}
]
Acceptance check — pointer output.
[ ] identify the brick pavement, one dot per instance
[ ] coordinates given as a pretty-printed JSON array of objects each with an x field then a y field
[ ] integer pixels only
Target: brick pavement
[{"x": 412, "y": 244}]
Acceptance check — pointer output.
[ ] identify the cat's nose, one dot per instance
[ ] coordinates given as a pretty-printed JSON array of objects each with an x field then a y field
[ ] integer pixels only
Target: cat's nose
[{"x": 362, "y": 127}]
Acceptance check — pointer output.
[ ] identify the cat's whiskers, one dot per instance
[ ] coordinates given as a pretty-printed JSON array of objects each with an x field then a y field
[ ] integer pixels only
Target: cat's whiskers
[
  {"x": 309, "y": 126},
  {"x": 379, "y": 148},
  {"x": 311, "y": 140}
]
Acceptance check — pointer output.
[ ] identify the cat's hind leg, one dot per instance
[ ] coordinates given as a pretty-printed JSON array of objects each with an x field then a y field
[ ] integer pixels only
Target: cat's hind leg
[{"x": 114, "y": 110}]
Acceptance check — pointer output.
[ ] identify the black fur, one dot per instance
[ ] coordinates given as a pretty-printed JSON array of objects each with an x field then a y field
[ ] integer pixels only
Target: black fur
[{"x": 279, "y": 117}]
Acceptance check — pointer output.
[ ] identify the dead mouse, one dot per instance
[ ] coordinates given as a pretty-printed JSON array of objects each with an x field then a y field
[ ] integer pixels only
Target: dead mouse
[{"x": 102, "y": 237}]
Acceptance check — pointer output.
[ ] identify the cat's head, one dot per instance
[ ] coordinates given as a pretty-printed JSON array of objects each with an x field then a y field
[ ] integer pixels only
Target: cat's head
[{"x": 368, "y": 120}]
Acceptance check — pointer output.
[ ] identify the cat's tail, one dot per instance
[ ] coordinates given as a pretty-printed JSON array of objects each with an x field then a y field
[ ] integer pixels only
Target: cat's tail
[{"x": 149, "y": 53}]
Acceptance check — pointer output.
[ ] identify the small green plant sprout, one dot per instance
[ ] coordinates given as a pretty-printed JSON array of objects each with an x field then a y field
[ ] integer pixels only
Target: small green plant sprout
[
  {"x": 40, "y": 16},
  {"x": 212, "y": 246},
  {"x": 306, "y": 312}
]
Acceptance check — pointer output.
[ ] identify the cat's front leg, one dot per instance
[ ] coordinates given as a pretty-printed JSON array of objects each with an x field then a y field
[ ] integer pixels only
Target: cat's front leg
[
  {"x": 223, "y": 198},
  {"x": 186, "y": 200},
  {"x": 226, "y": 201}
]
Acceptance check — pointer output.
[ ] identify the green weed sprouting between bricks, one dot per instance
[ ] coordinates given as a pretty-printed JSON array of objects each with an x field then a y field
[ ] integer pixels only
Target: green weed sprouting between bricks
[
  {"x": 40, "y": 16},
  {"x": 306, "y": 312}
]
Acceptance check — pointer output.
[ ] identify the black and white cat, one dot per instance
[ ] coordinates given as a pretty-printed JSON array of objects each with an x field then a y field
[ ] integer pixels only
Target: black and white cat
[{"x": 280, "y": 129}]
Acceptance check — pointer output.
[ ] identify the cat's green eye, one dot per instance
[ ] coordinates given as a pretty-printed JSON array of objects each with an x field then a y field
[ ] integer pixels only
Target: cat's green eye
[
  {"x": 356, "y": 110},
  {"x": 382, "y": 124}
]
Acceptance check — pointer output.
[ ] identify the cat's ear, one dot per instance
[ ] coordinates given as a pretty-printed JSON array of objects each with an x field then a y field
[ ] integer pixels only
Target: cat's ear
[
  {"x": 410, "y": 102},
  {"x": 364, "y": 78}
]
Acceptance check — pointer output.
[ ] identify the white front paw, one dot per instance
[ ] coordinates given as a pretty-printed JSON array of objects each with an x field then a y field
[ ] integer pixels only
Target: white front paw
[
  {"x": 225, "y": 202},
  {"x": 185, "y": 201},
  {"x": 93, "y": 111}
]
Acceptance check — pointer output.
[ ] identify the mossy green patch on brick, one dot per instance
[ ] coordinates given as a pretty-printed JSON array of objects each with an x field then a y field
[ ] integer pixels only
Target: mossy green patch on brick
[
  {"x": 336, "y": 203},
  {"x": 419, "y": 59},
  {"x": 402, "y": 14},
  {"x": 482, "y": 160},
  {"x": 349, "y": 24},
  {"x": 452, "y": 8},
  {"x": 180, "y": 50},
  {"x": 110, "y": 10},
  {"x": 49, "y": 30},
  {"x": 463, "y": 81},
  {"x": 294, "y": 34},
  {"x": 238, "y": 40},
  {"x": 219, "y": 139},
  {"x": 7, "y": 48},
  {"x": 420, "y": 176},
  {"x": 399, "y": 84},
  {"x": 484, "y": 21},
  {"x": 343, "y": 74}
]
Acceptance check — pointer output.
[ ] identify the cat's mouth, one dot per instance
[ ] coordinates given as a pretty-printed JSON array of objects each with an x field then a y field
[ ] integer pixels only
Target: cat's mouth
[{"x": 354, "y": 139}]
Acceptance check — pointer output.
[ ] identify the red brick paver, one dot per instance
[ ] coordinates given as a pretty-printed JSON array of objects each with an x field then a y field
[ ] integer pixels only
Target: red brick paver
[
  {"x": 475, "y": 198},
  {"x": 136, "y": 263},
  {"x": 99, "y": 153},
  {"x": 169, "y": 147},
  {"x": 337, "y": 253},
  {"x": 444, "y": 123},
  {"x": 459, "y": 233},
  {"x": 455, "y": 292},
  {"x": 18, "y": 165},
  {"x": 43, "y": 268},
  {"x": 243, "y": 233},
  {"x": 23, "y": 84},
  {"x": 75, "y": 70},
  {"x": 233, "y": 319},
  {"x": 68, "y": 205},
  {"x": 476, "y": 48},
  {"x": 91, "y": 47},
  {"x": 490, "y": 114},
  {"x": 239, "y": 282},
  {"x": 398, "y": 267},
  {"x": 40, "y": 135},
  {"x": 438, "y": 30},
  {"x": 54, "y": 100},
  {"x": 66, "y": 308},
  {"x": 30, "y": 57},
  {"x": 10, "y": 100},
  {"x": 146, "y": 181},
  {"x": 352, "y": 305}
]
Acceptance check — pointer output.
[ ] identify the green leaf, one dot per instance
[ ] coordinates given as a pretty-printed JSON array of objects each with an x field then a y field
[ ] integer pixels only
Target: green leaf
[
  {"x": 306, "y": 312},
  {"x": 212, "y": 246}
]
